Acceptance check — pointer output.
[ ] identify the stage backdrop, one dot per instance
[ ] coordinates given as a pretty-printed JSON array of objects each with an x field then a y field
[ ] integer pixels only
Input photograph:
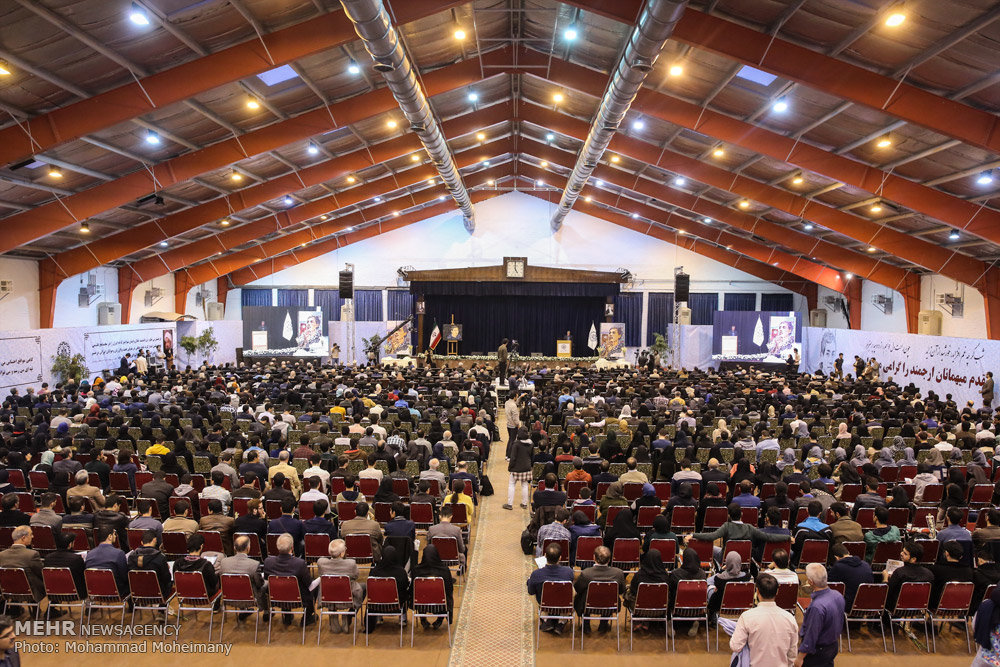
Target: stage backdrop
[{"x": 955, "y": 366}]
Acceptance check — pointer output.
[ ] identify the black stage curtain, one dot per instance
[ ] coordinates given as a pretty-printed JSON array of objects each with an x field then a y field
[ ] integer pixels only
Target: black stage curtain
[
  {"x": 535, "y": 321},
  {"x": 513, "y": 288}
]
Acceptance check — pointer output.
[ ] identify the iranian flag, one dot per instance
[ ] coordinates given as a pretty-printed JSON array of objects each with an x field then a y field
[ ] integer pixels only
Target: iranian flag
[{"x": 435, "y": 335}]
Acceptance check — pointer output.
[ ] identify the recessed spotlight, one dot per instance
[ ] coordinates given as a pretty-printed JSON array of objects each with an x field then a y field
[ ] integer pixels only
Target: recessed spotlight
[
  {"x": 391, "y": 124},
  {"x": 414, "y": 158},
  {"x": 55, "y": 173},
  {"x": 558, "y": 97},
  {"x": 353, "y": 68},
  {"x": 376, "y": 198},
  {"x": 313, "y": 149},
  {"x": 780, "y": 106},
  {"x": 570, "y": 34},
  {"x": 490, "y": 182},
  {"x": 985, "y": 178},
  {"x": 323, "y": 217},
  {"x": 550, "y": 137},
  {"x": 351, "y": 179},
  {"x": 152, "y": 138},
  {"x": 744, "y": 203},
  {"x": 395, "y": 214},
  {"x": 588, "y": 199},
  {"x": 638, "y": 124},
  {"x": 459, "y": 34},
  {"x": 287, "y": 201},
  {"x": 954, "y": 235},
  {"x": 615, "y": 159},
  {"x": 163, "y": 244},
  {"x": 236, "y": 176},
  {"x": 224, "y": 222},
  {"x": 808, "y": 227},
  {"x": 798, "y": 179},
  {"x": 718, "y": 152},
  {"x": 473, "y": 97},
  {"x": 871, "y": 248},
  {"x": 84, "y": 227},
  {"x": 884, "y": 141},
  {"x": 252, "y": 103},
  {"x": 635, "y": 216},
  {"x": 137, "y": 15},
  {"x": 543, "y": 164},
  {"x": 707, "y": 221},
  {"x": 680, "y": 181},
  {"x": 676, "y": 70},
  {"x": 486, "y": 163},
  {"x": 480, "y": 136},
  {"x": 876, "y": 207},
  {"x": 599, "y": 183}
]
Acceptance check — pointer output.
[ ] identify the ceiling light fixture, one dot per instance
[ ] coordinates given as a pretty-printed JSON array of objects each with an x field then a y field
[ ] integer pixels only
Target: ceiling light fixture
[
  {"x": 954, "y": 235},
  {"x": 798, "y": 179},
  {"x": 550, "y": 137},
  {"x": 395, "y": 214},
  {"x": 638, "y": 124},
  {"x": 224, "y": 222},
  {"x": 570, "y": 34},
  {"x": 490, "y": 182},
  {"x": 459, "y": 34},
  {"x": 351, "y": 179},
  {"x": 718, "y": 152},
  {"x": 557, "y": 98},
  {"x": 480, "y": 136},
  {"x": 676, "y": 70},
  {"x": 588, "y": 199},
  {"x": 473, "y": 97},
  {"x": 163, "y": 244},
  {"x": 323, "y": 217},
  {"x": 442, "y": 198},
  {"x": 848, "y": 276},
  {"x": 313, "y": 149},
  {"x": 808, "y": 227},
  {"x": 252, "y": 103},
  {"x": 680, "y": 181},
  {"x": 353, "y": 68},
  {"x": 287, "y": 201},
  {"x": 55, "y": 173},
  {"x": 896, "y": 15},
  {"x": 599, "y": 183},
  {"x": 543, "y": 164},
  {"x": 84, "y": 227},
  {"x": 884, "y": 141},
  {"x": 5, "y": 69},
  {"x": 871, "y": 248},
  {"x": 615, "y": 159},
  {"x": 430, "y": 181},
  {"x": 985, "y": 178},
  {"x": 414, "y": 158},
  {"x": 377, "y": 198},
  {"x": 391, "y": 124},
  {"x": 236, "y": 176},
  {"x": 635, "y": 216},
  {"x": 137, "y": 15},
  {"x": 780, "y": 106},
  {"x": 486, "y": 163},
  {"x": 744, "y": 203},
  {"x": 152, "y": 138},
  {"x": 876, "y": 207},
  {"x": 707, "y": 221}
]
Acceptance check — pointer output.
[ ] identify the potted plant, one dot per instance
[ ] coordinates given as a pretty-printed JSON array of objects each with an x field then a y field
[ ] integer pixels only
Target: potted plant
[
  {"x": 66, "y": 366},
  {"x": 190, "y": 345},
  {"x": 207, "y": 344}
]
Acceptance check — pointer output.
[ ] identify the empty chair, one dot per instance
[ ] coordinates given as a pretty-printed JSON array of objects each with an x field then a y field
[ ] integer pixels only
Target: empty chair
[
  {"x": 102, "y": 592},
  {"x": 625, "y": 554},
  {"x": 60, "y": 589},
  {"x": 737, "y": 597},
  {"x": 284, "y": 596},
  {"x": 144, "y": 587},
  {"x": 868, "y": 605}
]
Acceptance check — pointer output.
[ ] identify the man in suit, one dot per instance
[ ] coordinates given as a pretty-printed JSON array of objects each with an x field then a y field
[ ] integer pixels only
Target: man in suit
[
  {"x": 363, "y": 525},
  {"x": 288, "y": 471},
  {"x": 106, "y": 556},
  {"x": 600, "y": 571},
  {"x": 338, "y": 565},
  {"x": 160, "y": 490},
  {"x": 241, "y": 563},
  {"x": 64, "y": 556},
  {"x": 253, "y": 464},
  {"x": 284, "y": 564},
  {"x": 399, "y": 524},
  {"x": 85, "y": 490},
  {"x": 445, "y": 528},
  {"x": 181, "y": 522},
  {"x": 286, "y": 523},
  {"x": 149, "y": 557},
  {"x": 987, "y": 390},
  {"x": 10, "y": 515},
  {"x": 20, "y": 556},
  {"x": 217, "y": 521}
]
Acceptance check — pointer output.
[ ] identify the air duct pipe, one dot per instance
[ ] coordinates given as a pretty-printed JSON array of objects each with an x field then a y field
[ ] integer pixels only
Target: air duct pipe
[
  {"x": 371, "y": 22},
  {"x": 653, "y": 29}
]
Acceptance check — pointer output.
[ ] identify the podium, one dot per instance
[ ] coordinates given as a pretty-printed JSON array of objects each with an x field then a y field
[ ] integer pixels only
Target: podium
[{"x": 564, "y": 348}]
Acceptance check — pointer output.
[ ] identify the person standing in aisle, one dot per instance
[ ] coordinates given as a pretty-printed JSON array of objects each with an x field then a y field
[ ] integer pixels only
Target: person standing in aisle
[{"x": 502, "y": 359}]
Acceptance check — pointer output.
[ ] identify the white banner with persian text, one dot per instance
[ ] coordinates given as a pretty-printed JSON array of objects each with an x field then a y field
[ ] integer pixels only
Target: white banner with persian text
[
  {"x": 20, "y": 361},
  {"x": 104, "y": 348},
  {"x": 955, "y": 366}
]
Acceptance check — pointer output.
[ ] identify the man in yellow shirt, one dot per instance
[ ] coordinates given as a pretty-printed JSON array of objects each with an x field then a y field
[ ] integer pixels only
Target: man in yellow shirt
[{"x": 288, "y": 471}]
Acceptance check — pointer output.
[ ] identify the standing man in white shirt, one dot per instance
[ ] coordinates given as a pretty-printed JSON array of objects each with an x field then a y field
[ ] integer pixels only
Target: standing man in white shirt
[{"x": 770, "y": 633}]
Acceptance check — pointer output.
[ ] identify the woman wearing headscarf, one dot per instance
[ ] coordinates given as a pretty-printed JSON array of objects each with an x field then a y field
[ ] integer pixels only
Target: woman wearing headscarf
[
  {"x": 979, "y": 468},
  {"x": 732, "y": 571},
  {"x": 957, "y": 477},
  {"x": 615, "y": 495},
  {"x": 611, "y": 450},
  {"x": 651, "y": 571},
  {"x": 44, "y": 464},
  {"x": 660, "y": 531},
  {"x": 626, "y": 412},
  {"x": 908, "y": 457},
  {"x": 720, "y": 429},
  {"x": 860, "y": 457},
  {"x": 935, "y": 461},
  {"x": 787, "y": 459},
  {"x": 623, "y": 528},
  {"x": 689, "y": 570},
  {"x": 385, "y": 494},
  {"x": 987, "y": 631},
  {"x": 814, "y": 457},
  {"x": 389, "y": 566},
  {"x": 885, "y": 458},
  {"x": 741, "y": 471},
  {"x": 647, "y": 499},
  {"x": 431, "y": 565},
  {"x": 900, "y": 498},
  {"x": 842, "y": 432}
]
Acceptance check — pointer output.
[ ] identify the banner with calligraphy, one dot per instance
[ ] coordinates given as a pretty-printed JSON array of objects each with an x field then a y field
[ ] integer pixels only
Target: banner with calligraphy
[
  {"x": 21, "y": 361},
  {"x": 955, "y": 366}
]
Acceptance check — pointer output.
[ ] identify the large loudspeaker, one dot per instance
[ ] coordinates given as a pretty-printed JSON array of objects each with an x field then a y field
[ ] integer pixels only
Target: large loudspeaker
[
  {"x": 817, "y": 318},
  {"x": 346, "y": 285},
  {"x": 682, "y": 287}
]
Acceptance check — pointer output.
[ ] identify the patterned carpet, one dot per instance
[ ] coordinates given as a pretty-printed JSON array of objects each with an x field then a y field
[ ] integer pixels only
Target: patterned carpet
[{"x": 496, "y": 619}]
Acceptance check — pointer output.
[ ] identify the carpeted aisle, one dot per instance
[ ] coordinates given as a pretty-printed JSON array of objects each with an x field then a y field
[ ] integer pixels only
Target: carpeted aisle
[{"x": 496, "y": 619}]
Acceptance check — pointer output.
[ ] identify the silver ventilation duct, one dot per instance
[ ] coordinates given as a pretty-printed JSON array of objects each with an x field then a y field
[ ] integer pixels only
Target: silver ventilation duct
[
  {"x": 371, "y": 22},
  {"x": 653, "y": 29}
]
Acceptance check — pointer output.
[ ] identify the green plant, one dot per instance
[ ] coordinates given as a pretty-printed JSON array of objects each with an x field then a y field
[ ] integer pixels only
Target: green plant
[
  {"x": 659, "y": 343},
  {"x": 207, "y": 343},
  {"x": 372, "y": 344},
  {"x": 68, "y": 366},
  {"x": 189, "y": 344}
]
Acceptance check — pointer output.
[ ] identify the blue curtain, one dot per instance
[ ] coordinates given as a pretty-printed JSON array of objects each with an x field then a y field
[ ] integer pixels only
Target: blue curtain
[
  {"x": 628, "y": 310},
  {"x": 399, "y": 304},
  {"x": 368, "y": 305},
  {"x": 329, "y": 300},
  {"x": 659, "y": 313},
  {"x": 777, "y": 302},
  {"x": 703, "y": 307},
  {"x": 255, "y": 297},
  {"x": 739, "y": 301},
  {"x": 293, "y": 297}
]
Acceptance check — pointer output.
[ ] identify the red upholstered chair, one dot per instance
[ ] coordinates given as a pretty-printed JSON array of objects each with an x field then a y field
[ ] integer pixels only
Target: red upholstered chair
[
  {"x": 192, "y": 595},
  {"x": 868, "y": 605},
  {"x": 383, "y": 600},
  {"x": 626, "y": 554},
  {"x": 238, "y": 598},
  {"x": 61, "y": 591},
  {"x": 601, "y": 605},
  {"x": 689, "y": 605},
  {"x": 956, "y": 597},
  {"x": 737, "y": 597},
  {"x": 102, "y": 591},
  {"x": 429, "y": 602},
  {"x": 336, "y": 599},
  {"x": 147, "y": 595},
  {"x": 911, "y": 604},
  {"x": 585, "y": 547},
  {"x": 556, "y": 604},
  {"x": 651, "y": 602},
  {"x": 284, "y": 596}
]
